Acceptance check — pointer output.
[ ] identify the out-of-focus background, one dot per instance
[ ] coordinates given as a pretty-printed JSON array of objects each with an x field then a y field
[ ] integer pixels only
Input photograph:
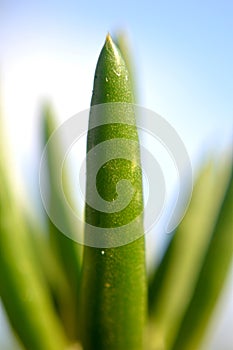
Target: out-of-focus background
[{"x": 182, "y": 52}]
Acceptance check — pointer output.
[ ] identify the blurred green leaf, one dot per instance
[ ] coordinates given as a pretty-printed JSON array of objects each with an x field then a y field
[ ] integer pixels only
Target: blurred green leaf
[
  {"x": 122, "y": 41},
  {"x": 214, "y": 270},
  {"x": 67, "y": 251},
  {"x": 52, "y": 272},
  {"x": 23, "y": 291},
  {"x": 172, "y": 285}
]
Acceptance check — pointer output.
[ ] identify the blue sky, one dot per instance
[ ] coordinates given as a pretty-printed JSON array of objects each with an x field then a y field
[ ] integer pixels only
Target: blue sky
[
  {"x": 183, "y": 55},
  {"x": 183, "y": 52}
]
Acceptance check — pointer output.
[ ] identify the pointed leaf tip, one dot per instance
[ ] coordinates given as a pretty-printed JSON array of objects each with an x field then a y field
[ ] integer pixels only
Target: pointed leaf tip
[
  {"x": 110, "y": 45},
  {"x": 108, "y": 38}
]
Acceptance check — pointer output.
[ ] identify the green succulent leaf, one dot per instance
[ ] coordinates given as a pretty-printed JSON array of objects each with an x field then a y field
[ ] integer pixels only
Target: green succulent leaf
[{"x": 113, "y": 285}]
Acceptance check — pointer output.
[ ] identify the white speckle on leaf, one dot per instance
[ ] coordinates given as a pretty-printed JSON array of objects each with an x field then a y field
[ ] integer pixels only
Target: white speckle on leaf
[
  {"x": 102, "y": 252},
  {"x": 117, "y": 73}
]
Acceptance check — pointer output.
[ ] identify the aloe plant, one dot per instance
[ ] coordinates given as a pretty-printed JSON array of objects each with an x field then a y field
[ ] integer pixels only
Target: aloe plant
[{"x": 56, "y": 299}]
